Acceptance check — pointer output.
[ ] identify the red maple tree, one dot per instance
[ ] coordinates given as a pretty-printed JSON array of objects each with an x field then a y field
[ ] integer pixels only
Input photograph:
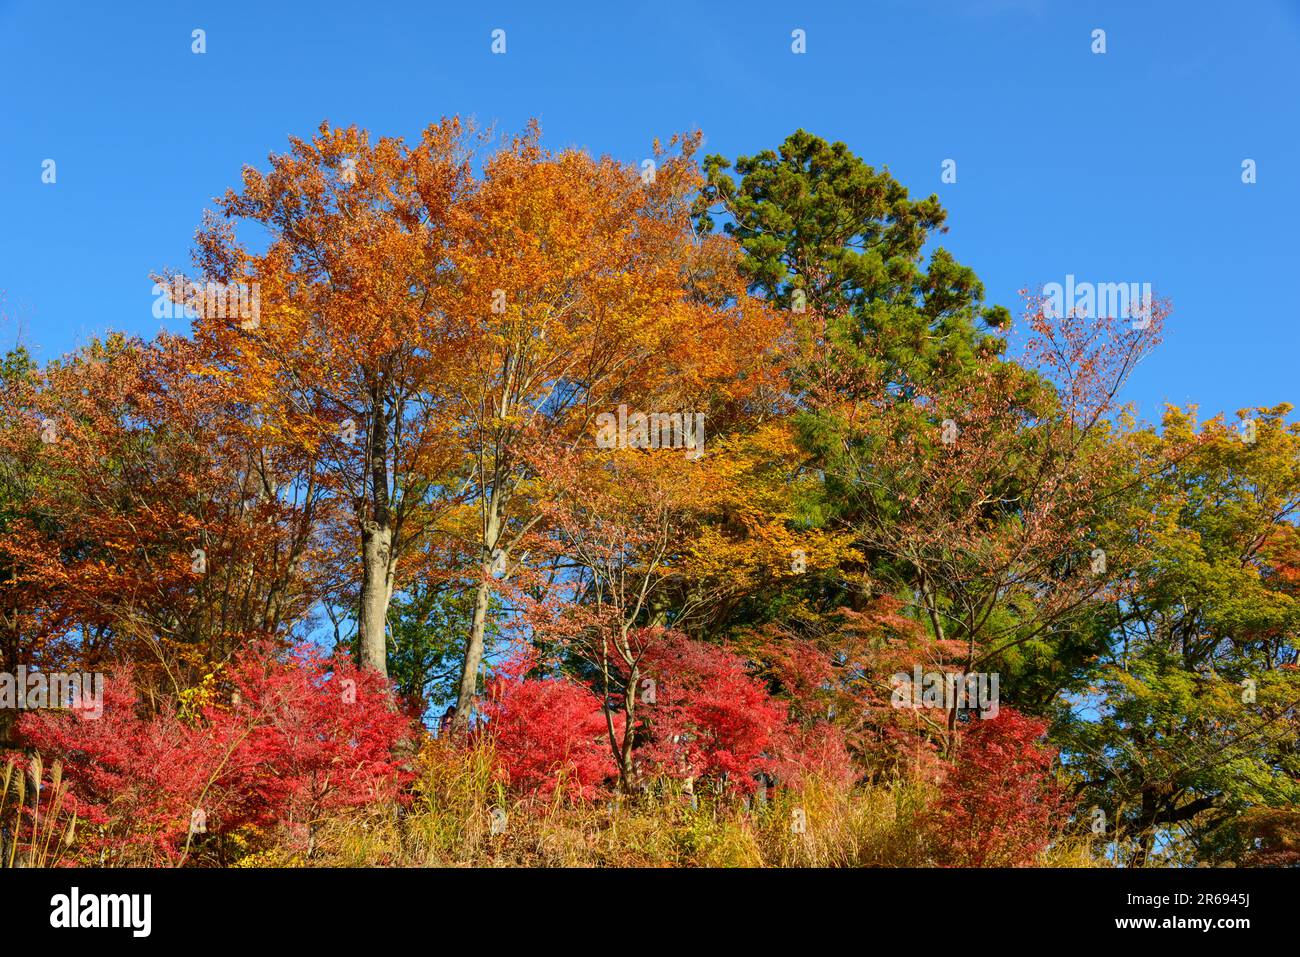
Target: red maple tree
[
  {"x": 1000, "y": 804},
  {"x": 549, "y": 734}
]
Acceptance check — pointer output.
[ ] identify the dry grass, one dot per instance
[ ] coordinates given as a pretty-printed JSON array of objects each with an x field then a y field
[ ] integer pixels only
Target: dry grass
[
  {"x": 451, "y": 823},
  {"x": 461, "y": 815},
  {"x": 35, "y": 831}
]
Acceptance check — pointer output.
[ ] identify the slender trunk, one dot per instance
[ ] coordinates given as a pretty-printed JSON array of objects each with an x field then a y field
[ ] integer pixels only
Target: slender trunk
[
  {"x": 376, "y": 545},
  {"x": 604, "y": 697},
  {"x": 474, "y": 648},
  {"x": 478, "y": 625},
  {"x": 376, "y": 589},
  {"x": 629, "y": 724},
  {"x": 932, "y": 611}
]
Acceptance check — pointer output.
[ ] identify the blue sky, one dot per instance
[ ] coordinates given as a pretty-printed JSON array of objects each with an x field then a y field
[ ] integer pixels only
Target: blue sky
[{"x": 1122, "y": 166}]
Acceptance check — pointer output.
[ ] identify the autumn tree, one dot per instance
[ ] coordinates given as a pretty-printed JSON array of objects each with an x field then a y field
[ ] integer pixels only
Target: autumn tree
[
  {"x": 548, "y": 732},
  {"x": 146, "y": 530},
  {"x": 355, "y": 336},
  {"x": 645, "y": 545},
  {"x": 618, "y": 537},
  {"x": 1001, "y": 804},
  {"x": 584, "y": 291}
]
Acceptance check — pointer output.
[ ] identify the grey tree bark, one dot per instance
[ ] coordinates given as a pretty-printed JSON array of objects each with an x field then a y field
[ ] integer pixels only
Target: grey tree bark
[
  {"x": 376, "y": 546},
  {"x": 478, "y": 624}
]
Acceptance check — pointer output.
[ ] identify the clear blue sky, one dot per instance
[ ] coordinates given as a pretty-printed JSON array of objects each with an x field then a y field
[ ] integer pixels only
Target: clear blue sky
[{"x": 1123, "y": 166}]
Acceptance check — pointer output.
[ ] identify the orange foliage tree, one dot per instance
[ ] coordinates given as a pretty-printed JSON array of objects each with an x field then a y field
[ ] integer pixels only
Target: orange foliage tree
[{"x": 147, "y": 530}]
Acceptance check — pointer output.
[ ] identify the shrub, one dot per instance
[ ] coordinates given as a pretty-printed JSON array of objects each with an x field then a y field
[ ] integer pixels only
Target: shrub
[
  {"x": 303, "y": 736},
  {"x": 549, "y": 734},
  {"x": 999, "y": 804},
  {"x": 710, "y": 718}
]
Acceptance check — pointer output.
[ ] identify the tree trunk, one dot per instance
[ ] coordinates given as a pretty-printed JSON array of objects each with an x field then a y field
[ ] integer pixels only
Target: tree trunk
[
  {"x": 474, "y": 649},
  {"x": 478, "y": 625},
  {"x": 376, "y": 544},
  {"x": 376, "y": 590},
  {"x": 625, "y": 775}
]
